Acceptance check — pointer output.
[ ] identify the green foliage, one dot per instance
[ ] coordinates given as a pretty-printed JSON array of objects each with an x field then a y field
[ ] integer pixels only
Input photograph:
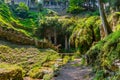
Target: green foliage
[
  {"x": 33, "y": 61},
  {"x": 75, "y": 10},
  {"x": 22, "y": 10},
  {"x": 8, "y": 20},
  {"x": 48, "y": 26},
  {"x": 66, "y": 59},
  {"x": 75, "y": 6},
  {"x": 36, "y": 73},
  {"x": 5, "y": 16},
  {"x": 7, "y": 66},
  {"x": 47, "y": 77},
  {"x": 104, "y": 54},
  {"x": 118, "y": 27},
  {"x": 40, "y": 7},
  {"x": 8, "y": 71},
  {"x": 85, "y": 33},
  {"x": 67, "y": 25}
]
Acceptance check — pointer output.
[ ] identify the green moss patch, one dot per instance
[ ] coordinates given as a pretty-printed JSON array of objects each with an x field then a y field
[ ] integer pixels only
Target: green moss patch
[
  {"x": 10, "y": 72},
  {"x": 35, "y": 63},
  {"x": 105, "y": 56}
]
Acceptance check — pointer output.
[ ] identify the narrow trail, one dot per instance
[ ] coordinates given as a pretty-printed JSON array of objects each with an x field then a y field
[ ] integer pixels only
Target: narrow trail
[{"x": 73, "y": 71}]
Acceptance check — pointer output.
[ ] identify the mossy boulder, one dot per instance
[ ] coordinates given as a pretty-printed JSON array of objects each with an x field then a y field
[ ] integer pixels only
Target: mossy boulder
[
  {"x": 10, "y": 72},
  {"x": 39, "y": 73}
]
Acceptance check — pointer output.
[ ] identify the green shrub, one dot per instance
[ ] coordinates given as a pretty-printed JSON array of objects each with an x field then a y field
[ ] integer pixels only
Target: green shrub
[
  {"x": 84, "y": 34},
  {"x": 104, "y": 54},
  {"x": 66, "y": 59},
  {"x": 47, "y": 77},
  {"x": 75, "y": 10},
  {"x": 36, "y": 73},
  {"x": 22, "y": 10}
]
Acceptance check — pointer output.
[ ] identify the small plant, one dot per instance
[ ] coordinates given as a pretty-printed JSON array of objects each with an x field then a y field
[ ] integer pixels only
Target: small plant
[
  {"x": 47, "y": 77},
  {"x": 66, "y": 59},
  {"x": 36, "y": 73}
]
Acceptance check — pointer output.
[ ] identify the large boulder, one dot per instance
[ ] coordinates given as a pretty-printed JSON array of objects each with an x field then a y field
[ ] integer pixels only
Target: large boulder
[{"x": 10, "y": 72}]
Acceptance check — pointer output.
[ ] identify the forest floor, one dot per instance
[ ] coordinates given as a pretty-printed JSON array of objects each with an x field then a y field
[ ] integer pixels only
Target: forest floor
[
  {"x": 74, "y": 71},
  {"x": 71, "y": 71}
]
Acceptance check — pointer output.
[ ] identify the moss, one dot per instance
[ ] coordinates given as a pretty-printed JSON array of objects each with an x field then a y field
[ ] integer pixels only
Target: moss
[
  {"x": 36, "y": 73},
  {"x": 30, "y": 59},
  {"x": 104, "y": 54},
  {"x": 66, "y": 59},
  {"x": 12, "y": 72},
  {"x": 47, "y": 77},
  {"x": 39, "y": 73},
  {"x": 118, "y": 27},
  {"x": 84, "y": 34}
]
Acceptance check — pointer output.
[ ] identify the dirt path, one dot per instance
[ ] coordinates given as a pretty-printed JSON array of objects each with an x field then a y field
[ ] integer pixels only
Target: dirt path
[{"x": 73, "y": 71}]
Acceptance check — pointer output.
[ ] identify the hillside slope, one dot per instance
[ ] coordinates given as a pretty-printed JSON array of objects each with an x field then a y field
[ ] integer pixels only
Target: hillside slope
[
  {"x": 31, "y": 61},
  {"x": 105, "y": 57},
  {"x": 11, "y": 29}
]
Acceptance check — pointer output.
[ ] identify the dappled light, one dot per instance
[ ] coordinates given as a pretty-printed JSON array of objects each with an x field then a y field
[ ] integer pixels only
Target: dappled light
[{"x": 59, "y": 39}]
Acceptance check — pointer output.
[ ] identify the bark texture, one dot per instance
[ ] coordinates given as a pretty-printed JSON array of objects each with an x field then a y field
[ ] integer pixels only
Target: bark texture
[{"x": 106, "y": 26}]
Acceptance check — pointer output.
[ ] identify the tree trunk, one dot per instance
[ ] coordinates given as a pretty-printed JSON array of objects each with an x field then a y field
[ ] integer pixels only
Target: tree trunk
[
  {"x": 36, "y": 42},
  {"x": 55, "y": 37},
  {"x": 49, "y": 38},
  {"x": 69, "y": 44},
  {"x": 106, "y": 26},
  {"x": 66, "y": 43}
]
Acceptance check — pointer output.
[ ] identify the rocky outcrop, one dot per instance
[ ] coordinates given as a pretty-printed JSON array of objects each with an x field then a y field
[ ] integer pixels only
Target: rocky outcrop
[{"x": 20, "y": 38}]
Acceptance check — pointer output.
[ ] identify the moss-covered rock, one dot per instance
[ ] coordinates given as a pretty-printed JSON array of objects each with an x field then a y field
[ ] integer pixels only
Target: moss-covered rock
[
  {"x": 10, "y": 72},
  {"x": 35, "y": 63},
  {"x": 39, "y": 73},
  {"x": 105, "y": 54}
]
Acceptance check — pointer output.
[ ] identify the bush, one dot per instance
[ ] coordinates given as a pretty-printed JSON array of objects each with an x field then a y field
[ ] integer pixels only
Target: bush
[
  {"x": 75, "y": 10},
  {"x": 84, "y": 34},
  {"x": 22, "y": 10},
  {"x": 47, "y": 77},
  {"x": 105, "y": 55},
  {"x": 66, "y": 59}
]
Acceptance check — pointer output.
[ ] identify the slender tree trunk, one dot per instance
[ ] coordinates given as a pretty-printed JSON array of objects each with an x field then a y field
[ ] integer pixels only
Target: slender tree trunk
[
  {"x": 66, "y": 43},
  {"x": 49, "y": 38},
  {"x": 36, "y": 42},
  {"x": 69, "y": 44},
  {"x": 55, "y": 37},
  {"x": 106, "y": 26}
]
